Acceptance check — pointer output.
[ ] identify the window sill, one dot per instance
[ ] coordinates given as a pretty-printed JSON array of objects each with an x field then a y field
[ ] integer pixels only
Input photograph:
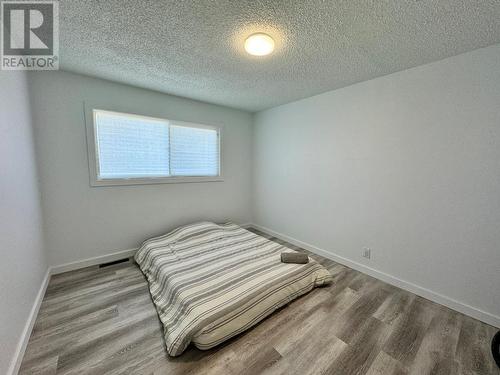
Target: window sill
[{"x": 153, "y": 181}]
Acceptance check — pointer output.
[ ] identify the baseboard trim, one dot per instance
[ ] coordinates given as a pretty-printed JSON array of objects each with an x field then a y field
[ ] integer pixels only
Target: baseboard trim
[
  {"x": 30, "y": 323},
  {"x": 92, "y": 261},
  {"x": 413, "y": 288},
  {"x": 54, "y": 270}
]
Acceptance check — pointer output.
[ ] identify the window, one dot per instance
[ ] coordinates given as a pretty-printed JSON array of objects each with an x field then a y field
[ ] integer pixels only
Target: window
[{"x": 132, "y": 149}]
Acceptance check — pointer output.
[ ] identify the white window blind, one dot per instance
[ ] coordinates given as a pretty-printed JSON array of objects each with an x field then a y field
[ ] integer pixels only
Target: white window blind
[
  {"x": 131, "y": 147},
  {"x": 193, "y": 151},
  {"x": 135, "y": 147}
]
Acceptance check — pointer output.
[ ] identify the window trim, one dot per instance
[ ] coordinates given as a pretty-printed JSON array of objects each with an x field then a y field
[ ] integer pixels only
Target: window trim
[{"x": 93, "y": 155}]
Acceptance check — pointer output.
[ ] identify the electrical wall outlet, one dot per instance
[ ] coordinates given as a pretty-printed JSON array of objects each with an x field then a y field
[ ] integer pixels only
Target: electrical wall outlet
[{"x": 367, "y": 252}]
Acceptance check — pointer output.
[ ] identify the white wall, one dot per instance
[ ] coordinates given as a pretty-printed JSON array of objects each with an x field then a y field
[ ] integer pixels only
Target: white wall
[
  {"x": 407, "y": 164},
  {"x": 23, "y": 264},
  {"x": 83, "y": 221}
]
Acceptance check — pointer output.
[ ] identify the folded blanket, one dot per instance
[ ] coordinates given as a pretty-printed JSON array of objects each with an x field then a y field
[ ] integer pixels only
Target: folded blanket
[{"x": 299, "y": 258}]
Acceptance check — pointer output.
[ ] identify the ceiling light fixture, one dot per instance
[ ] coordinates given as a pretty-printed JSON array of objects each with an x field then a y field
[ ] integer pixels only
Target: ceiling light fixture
[{"x": 259, "y": 44}]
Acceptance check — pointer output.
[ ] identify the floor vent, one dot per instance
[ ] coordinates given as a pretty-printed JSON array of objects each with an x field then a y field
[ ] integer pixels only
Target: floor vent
[{"x": 114, "y": 262}]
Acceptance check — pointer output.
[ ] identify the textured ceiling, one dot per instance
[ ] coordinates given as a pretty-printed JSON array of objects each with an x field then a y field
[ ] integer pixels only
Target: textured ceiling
[{"x": 194, "y": 48}]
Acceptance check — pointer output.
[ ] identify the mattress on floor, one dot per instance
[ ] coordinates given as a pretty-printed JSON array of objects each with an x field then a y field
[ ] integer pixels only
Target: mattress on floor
[{"x": 210, "y": 282}]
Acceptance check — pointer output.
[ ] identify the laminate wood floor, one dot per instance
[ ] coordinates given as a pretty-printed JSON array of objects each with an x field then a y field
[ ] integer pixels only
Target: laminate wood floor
[{"x": 102, "y": 321}]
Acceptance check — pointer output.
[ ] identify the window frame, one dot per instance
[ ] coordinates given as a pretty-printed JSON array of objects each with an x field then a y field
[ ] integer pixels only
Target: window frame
[{"x": 93, "y": 152}]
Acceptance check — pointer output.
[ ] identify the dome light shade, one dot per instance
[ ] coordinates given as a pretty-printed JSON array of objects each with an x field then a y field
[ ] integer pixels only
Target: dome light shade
[{"x": 259, "y": 44}]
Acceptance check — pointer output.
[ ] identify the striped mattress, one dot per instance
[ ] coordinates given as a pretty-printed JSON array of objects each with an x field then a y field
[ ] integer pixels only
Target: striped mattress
[{"x": 210, "y": 282}]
